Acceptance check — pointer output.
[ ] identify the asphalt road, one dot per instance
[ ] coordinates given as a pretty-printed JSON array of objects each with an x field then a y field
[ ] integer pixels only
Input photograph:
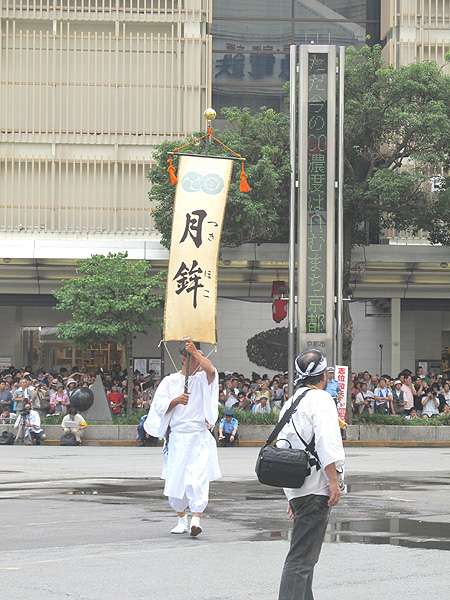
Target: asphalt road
[{"x": 91, "y": 523}]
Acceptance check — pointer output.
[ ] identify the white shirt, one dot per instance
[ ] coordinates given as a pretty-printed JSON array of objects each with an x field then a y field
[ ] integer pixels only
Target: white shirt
[
  {"x": 315, "y": 415},
  {"x": 33, "y": 419},
  {"x": 361, "y": 397}
]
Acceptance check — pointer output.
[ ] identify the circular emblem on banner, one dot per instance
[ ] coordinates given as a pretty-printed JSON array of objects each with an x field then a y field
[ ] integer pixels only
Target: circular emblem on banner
[
  {"x": 210, "y": 184},
  {"x": 191, "y": 182}
]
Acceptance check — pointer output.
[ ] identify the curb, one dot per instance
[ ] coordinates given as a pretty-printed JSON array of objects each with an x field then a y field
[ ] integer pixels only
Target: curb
[{"x": 260, "y": 443}]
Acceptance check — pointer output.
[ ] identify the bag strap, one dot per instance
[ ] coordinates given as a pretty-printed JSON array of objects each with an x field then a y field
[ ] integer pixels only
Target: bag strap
[
  {"x": 287, "y": 415},
  {"x": 310, "y": 448}
]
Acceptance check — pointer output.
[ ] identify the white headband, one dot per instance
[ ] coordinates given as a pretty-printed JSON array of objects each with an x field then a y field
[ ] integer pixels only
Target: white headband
[{"x": 310, "y": 371}]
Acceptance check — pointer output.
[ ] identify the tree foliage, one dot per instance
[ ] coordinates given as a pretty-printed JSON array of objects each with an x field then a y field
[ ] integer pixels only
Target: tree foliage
[
  {"x": 113, "y": 299},
  {"x": 110, "y": 301},
  {"x": 257, "y": 216},
  {"x": 397, "y": 135}
]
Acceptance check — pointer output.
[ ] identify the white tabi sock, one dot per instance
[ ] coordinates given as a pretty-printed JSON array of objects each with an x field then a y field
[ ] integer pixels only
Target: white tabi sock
[
  {"x": 196, "y": 528},
  {"x": 182, "y": 525}
]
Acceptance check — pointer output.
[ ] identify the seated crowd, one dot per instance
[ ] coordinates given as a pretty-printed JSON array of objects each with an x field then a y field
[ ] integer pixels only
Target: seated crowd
[
  {"x": 410, "y": 395},
  {"x": 258, "y": 395},
  {"x": 422, "y": 394},
  {"x": 49, "y": 392}
]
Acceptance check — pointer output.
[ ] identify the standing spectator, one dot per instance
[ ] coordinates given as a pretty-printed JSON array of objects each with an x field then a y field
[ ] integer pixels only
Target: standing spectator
[
  {"x": 137, "y": 395},
  {"x": 430, "y": 404},
  {"x": 228, "y": 428},
  {"x": 53, "y": 385},
  {"x": 230, "y": 394},
  {"x": 373, "y": 383},
  {"x": 23, "y": 393},
  {"x": 383, "y": 398},
  {"x": 398, "y": 399},
  {"x": 59, "y": 399},
  {"x": 41, "y": 399},
  {"x": 408, "y": 392},
  {"x": 71, "y": 387},
  {"x": 236, "y": 385},
  {"x": 262, "y": 391},
  {"x": 75, "y": 424},
  {"x": 285, "y": 394},
  {"x": 364, "y": 401},
  {"x": 421, "y": 374},
  {"x": 277, "y": 395},
  {"x": 446, "y": 393},
  {"x": 6, "y": 400},
  {"x": 419, "y": 388},
  {"x": 115, "y": 399}
]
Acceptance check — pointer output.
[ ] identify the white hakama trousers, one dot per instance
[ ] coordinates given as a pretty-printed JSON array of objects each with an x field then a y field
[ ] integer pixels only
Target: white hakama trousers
[
  {"x": 196, "y": 497},
  {"x": 191, "y": 464}
]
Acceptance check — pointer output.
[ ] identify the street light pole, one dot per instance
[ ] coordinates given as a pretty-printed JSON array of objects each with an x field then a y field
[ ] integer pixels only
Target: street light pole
[{"x": 381, "y": 360}]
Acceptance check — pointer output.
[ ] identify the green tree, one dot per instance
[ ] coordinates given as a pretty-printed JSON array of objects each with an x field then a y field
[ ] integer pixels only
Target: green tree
[
  {"x": 257, "y": 216},
  {"x": 110, "y": 301},
  {"x": 397, "y": 135}
]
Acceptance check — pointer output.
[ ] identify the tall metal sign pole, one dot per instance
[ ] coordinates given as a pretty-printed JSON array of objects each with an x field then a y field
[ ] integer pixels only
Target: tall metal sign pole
[
  {"x": 292, "y": 216},
  {"x": 317, "y": 266}
]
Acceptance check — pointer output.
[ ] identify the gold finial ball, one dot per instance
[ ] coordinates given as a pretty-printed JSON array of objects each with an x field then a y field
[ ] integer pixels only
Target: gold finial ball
[{"x": 210, "y": 114}]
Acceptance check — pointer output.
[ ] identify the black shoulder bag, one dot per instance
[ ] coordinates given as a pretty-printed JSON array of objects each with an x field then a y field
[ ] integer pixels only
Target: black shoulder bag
[{"x": 285, "y": 467}]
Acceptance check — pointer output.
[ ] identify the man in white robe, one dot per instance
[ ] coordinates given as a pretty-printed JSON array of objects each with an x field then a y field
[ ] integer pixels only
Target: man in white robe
[{"x": 184, "y": 418}]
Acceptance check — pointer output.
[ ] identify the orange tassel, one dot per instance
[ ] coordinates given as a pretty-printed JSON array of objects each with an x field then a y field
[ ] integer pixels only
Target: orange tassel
[
  {"x": 244, "y": 187},
  {"x": 171, "y": 169}
]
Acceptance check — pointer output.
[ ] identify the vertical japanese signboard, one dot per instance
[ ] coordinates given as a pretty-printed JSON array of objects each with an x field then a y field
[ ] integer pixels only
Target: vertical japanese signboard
[
  {"x": 341, "y": 374},
  {"x": 191, "y": 292},
  {"x": 317, "y": 138}
]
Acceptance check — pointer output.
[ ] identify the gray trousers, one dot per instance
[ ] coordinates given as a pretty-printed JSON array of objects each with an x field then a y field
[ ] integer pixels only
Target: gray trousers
[{"x": 311, "y": 514}]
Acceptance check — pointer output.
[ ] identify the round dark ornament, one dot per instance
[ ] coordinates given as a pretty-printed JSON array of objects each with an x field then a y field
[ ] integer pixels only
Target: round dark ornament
[
  {"x": 269, "y": 349},
  {"x": 82, "y": 399}
]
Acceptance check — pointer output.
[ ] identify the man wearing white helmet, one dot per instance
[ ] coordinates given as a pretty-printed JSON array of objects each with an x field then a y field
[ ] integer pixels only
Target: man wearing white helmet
[{"x": 314, "y": 425}]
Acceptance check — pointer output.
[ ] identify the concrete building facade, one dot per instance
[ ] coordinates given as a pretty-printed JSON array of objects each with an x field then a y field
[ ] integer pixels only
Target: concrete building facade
[{"x": 89, "y": 87}]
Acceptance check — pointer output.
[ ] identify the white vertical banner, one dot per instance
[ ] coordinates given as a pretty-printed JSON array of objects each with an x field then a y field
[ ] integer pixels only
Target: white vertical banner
[
  {"x": 191, "y": 292},
  {"x": 341, "y": 373}
]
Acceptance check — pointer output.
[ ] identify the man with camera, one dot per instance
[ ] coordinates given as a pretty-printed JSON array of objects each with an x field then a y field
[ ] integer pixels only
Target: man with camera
[
  {"x": 364, "y": 401},
  {"x": 314, "y": 424},
  {"x": 430, "y": 404},
  {"x": 31, "y": 421},
  {"x": 23, "y": 393}
]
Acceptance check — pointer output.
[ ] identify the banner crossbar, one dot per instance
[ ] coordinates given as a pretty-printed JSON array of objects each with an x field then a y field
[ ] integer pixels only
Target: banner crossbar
[{"x": 206, "y": 156}]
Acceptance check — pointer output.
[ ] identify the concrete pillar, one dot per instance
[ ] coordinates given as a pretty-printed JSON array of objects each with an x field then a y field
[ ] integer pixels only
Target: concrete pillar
[{"x": 395, "y": 336}]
